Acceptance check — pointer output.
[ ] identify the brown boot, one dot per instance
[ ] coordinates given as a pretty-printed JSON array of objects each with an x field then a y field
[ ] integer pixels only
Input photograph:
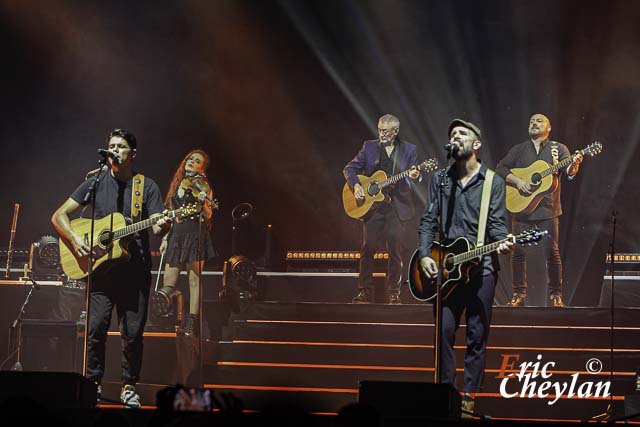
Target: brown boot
[
  {"x": 517, "y": 300},
  {"x": 556, "y": 301}
]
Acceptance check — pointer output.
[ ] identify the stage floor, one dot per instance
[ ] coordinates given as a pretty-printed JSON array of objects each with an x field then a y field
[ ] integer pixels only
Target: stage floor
[{"x": 314, "y": 355}]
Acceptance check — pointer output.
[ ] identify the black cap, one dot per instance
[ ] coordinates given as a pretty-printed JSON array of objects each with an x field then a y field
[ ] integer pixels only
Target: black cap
[{"x": 468, "y": 125}]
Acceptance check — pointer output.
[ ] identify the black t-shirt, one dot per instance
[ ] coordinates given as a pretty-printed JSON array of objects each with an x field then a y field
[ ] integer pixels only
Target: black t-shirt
[{"x": 115, "y": 196}]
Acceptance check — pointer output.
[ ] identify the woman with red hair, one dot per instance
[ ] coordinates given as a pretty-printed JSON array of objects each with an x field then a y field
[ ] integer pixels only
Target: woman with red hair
[{"x": 188, "y": 245}]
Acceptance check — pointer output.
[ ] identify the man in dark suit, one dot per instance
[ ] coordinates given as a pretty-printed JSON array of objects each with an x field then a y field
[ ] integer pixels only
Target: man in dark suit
[{"x": 386, "y": 223}]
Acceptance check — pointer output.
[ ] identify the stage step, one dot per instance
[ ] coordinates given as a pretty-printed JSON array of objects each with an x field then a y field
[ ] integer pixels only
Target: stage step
[{"x": 319, "y": 353}]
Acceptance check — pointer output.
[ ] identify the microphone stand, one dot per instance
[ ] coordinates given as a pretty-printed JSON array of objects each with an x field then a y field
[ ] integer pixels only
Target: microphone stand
[
  {"x": 438, "y": 318},
  {"x": 90, "y": 197},
  {"x": 608, "y": 413},
  {"x": 16, "y": 325}
]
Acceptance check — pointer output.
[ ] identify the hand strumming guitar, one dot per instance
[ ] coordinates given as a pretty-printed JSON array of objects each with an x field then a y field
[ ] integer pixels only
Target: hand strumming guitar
[
  {"x": 358, "y": 191},
  {"x": 429, "y": 267}
]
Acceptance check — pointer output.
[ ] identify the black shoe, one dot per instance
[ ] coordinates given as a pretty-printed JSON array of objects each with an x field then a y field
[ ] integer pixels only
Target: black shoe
[
  {"x": 394, "y": 298},
  {"x": 191, "y": 325},
  {"x": 363, "y": 297}
]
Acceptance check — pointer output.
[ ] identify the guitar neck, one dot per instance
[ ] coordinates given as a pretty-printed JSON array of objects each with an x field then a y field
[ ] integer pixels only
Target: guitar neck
[
  {"x": 134, "y": 228},
  {"x": 141, "y": 225},
  {"x": 478, "y": 252},
  {"x": 561, "y": 164},
  {"x": 394, "y": 179}
]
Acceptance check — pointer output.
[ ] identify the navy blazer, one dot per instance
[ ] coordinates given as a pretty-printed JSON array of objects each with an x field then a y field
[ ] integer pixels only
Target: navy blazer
[{"x": 367, "y": 161}]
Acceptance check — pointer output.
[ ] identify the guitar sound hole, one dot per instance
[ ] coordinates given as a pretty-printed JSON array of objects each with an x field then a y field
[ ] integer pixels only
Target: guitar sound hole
[
  {"x": 448, "y": 262},
  {"x": 105, "y": 238},
  {"x": 373, "y": 189},
  {"x": 536, "y": 179}
]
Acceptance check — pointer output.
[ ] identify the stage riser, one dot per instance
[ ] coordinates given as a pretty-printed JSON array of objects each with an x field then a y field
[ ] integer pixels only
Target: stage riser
[
  {"x": 423, "y": 313},
  {"x": 511, "y": 334},
  {"x": 420, "y": 357},
  {"x": 545, "y": 338},
  {"x": 334, "y": 289},
  {"x": 350, "y": 378}
]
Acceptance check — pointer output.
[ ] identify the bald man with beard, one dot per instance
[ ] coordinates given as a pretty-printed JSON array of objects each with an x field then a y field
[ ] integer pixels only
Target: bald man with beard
[{"x": 546, "y": 215}]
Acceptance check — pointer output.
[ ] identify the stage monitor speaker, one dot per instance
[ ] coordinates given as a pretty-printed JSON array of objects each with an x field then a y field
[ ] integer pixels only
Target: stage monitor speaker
[
  {"x": 632, "y": 406},
  {"x": 49, "y": 389},
  {"x": 49, "y": 345},
  {"x": 393, "y": 399},
  {"x": 627, "y": 290}
]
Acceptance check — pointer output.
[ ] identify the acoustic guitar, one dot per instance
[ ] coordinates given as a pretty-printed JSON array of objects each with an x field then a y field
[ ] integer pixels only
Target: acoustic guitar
[
  {"x": 456, "y": 261},
  {"x": 111, "y": 240},
  {"x": 373, "y": 186},
  {"x": 540, "y": 176}
]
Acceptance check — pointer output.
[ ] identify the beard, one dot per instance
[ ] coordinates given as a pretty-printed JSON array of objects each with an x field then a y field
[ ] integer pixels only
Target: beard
[{"x": 462, "y": 154}]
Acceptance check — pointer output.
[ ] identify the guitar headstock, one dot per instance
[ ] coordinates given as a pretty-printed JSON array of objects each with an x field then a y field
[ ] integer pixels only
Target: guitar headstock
[
  {"x": 531, "y": 236},
  {"x": 189, "y": 210},
  {"x": 428, "y": 165},
  {"x": 592, "y": 149}
]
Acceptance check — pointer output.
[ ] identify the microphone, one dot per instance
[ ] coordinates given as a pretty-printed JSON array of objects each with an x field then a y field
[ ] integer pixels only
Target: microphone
[
  {"x": 106, "y": 153},
  {"x": 452, "y": 146}
]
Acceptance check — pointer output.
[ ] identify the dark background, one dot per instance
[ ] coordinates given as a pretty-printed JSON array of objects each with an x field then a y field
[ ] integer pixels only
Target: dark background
[{"x": 281, "y": 94}]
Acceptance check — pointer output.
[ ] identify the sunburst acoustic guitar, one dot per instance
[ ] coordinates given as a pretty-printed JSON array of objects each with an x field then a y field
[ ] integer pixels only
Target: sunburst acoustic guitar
[{"x": 456, "y": 261}]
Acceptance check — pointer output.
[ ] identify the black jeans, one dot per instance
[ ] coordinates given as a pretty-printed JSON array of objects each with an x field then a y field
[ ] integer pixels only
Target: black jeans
[
  {"x": 125, "y": 287},
  {"x": 383, "y": 226},
  {"x": 551, "y": 251},
  {"x": 476, "y": 299}
]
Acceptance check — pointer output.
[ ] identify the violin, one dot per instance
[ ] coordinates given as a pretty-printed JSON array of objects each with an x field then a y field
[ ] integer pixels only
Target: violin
[{"x": 198, "y": 184}]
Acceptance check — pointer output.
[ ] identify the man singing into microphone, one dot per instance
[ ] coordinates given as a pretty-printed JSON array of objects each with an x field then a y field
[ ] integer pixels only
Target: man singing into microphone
[
  {"x": 462, "y": 192},
  {"x": 124, "y": 285}
]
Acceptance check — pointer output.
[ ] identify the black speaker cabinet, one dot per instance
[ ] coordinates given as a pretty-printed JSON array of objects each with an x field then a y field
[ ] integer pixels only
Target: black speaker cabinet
[
  {"x": 49, "y": 345},
  {"x": 50, "y": 389},
  {"x": 393, "y": 399},
  {"x": 632, "y": 406}
]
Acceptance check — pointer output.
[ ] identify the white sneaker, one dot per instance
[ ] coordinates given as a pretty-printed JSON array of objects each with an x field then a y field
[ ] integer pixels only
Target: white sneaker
[{"x": 129, "y": 397}]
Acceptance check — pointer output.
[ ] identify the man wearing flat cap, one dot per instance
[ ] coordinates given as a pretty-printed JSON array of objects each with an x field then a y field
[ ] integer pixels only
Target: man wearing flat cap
[
  {"x": 545, "y": 215},
  {"x": 459, "y": 216}
]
